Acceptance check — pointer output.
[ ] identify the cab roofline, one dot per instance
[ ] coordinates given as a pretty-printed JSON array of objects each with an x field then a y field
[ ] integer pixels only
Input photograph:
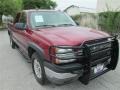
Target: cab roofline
[{"x": 34, "y": 10}]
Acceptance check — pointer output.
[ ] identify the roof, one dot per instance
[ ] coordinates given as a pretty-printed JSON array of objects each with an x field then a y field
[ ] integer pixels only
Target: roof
[{"x": 33, "y": 10}]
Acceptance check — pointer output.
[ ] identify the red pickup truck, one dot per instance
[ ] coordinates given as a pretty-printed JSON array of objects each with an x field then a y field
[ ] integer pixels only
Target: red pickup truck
[{"x": 61, "y": 51}]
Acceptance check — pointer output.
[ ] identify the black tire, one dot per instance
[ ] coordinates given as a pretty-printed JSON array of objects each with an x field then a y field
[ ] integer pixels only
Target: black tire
[
  {"x": 41, "y": 80},
  {"x": 12, "y": 43}
]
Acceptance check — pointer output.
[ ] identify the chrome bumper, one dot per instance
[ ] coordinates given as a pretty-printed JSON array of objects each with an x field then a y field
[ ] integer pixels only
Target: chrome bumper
[{"x": 61, "y": 78}]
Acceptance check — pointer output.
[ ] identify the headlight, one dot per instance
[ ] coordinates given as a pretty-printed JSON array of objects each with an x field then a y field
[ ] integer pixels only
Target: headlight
[
  {"x": 64, "y": 55},
  {"x": 60, "y": 50}
]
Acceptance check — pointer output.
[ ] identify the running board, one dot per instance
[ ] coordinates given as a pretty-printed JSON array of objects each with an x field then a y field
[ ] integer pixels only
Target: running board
[{"x": 24, "y": 55}]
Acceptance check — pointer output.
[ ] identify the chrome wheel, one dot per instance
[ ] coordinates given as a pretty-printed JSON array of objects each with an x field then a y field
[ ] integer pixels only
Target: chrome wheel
[{"x": 37, "y": 68}]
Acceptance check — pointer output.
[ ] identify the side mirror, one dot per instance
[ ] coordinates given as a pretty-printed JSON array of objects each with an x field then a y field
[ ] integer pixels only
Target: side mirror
[{"x": 20, "y": 26}]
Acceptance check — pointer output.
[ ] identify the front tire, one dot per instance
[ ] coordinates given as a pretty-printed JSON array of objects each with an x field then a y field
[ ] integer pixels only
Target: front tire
[{"x": 38, "y": 69}]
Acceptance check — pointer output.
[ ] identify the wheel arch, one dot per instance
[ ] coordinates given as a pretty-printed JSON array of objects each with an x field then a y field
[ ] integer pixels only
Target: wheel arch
[{"x": 35, "y": 48}]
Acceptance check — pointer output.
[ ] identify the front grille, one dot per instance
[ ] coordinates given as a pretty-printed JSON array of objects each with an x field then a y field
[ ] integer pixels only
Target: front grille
[{"x": 100, "y": 49}]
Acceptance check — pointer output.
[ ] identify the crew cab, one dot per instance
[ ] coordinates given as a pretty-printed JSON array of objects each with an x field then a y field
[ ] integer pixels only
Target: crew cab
[{"x": 61, "y": 51}]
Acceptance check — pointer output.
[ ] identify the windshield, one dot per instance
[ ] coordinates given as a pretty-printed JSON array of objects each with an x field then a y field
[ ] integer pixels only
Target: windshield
[{"x": 50, "y": 18}]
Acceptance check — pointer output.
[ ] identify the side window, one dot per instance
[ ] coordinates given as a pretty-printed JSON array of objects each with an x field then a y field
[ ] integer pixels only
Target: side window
[
  {"x": 17, "y": 18},
  {"x": 23, "y": 18}
]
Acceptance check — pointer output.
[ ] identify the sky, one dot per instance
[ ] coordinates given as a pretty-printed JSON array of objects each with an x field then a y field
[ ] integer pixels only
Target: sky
[{"x": 63, "y": 4}]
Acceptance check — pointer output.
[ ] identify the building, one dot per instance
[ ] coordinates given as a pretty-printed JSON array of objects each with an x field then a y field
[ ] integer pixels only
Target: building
[
  {"x": 72, "y": 10},
  {"x": 76, "y": 10},
  {"x": 84, "y": 16},
  {"x": 6, "y": 19},
  {"x": 105, "y": 5}
]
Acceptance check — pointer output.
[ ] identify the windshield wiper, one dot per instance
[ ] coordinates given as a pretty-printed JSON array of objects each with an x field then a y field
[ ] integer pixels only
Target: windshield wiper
[
  {"x": 54, "y": 25},
  {"x": 65, "y": 25},
  {"x": 46, "y": 26}
]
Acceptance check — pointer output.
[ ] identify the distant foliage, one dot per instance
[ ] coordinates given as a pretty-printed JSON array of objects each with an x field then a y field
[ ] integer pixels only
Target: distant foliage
[
  {"x": 9, "y": 7},
  {"x": 42, "y": 4},
  {"x": 109, "y": 21}
]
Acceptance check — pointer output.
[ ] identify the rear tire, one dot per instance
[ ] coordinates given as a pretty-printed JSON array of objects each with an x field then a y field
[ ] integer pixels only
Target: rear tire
[
  {"x": 38, "y": 68},
  {"x": 12, "y": 43}
]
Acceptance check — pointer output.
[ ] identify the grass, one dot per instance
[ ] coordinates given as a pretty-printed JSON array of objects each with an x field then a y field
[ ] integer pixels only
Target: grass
[{"x": 109, "y": 21}]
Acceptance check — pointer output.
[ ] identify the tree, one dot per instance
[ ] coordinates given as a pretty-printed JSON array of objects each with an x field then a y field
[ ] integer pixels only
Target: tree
[
  {"x": 42, "y": 4},
  {"x": 9, "y": 7}
]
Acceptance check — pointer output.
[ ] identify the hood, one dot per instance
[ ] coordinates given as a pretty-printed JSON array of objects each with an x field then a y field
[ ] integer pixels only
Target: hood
[{"x": 69, "y": 35}]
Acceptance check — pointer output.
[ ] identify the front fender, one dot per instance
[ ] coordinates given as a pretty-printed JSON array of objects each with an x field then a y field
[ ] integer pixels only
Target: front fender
[{"x": 37, "y": 48}]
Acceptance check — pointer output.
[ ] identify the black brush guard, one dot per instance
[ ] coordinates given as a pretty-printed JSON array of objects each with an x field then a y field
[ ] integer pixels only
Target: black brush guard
[{"x": 88, "y": 57}]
